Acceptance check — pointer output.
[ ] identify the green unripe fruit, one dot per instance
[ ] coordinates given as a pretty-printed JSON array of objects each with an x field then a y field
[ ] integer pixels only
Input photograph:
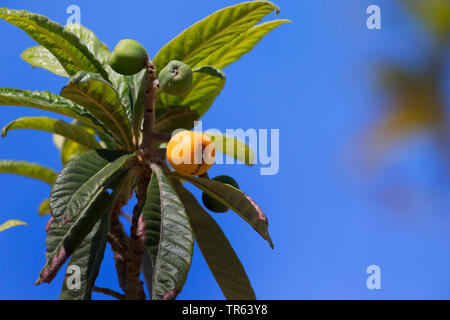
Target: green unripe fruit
[
  {"x": 129, "y": 57},
  {"x": 176, "y": 78},
  {"x": 214, "y": 205}
]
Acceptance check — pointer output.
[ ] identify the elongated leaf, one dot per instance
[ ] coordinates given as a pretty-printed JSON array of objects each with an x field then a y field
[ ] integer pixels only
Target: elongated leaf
[
  {"x": 12, "y": 223},
  {"x": 236, "y": 200},
  {"x": 101, "y": 52},
  {"x": 47, "y": 101},
  {"x": 232, "y": 147},
  {"x": 88, "y": 38},
  {"x": 122, "y": 84},
  {"x": 63, "y": 240},
  {"x": 55, "y": 126},
  {"x": 101, "y": 99},
  {"x": 201, "y": 96},
  {"x": 212, "y": 71},
  {"x": 30, "y": 170},
  {"x": 241, "y": 45},
  {"x": 217, "y": 250},
  {"x": 151, "y": 215},
  {"x": 64, "y": 45},
  {"x": 211, "y": 33},
  {"x": 206, "y": 88},
  {"x": 40, "y": 57},
  {"x": 171, "y": 118},
  {"x": 82, "y": 180},
  {"x": 138, "y": 86},
  {"x": 87, "y": 259},
  {"x": 168, "y": 237}
]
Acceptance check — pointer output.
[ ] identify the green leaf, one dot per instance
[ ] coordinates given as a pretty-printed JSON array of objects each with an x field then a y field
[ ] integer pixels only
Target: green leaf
[
  {"x": 201, "y": 96},
  {"x": 64, "y": 239},
  {"x": 55, "y": 126},
  {"x": 205, "y": 88},
  {"x": 122, "y": 84},
  {"x": 71, "y": 150},
  {"x": 30, "y": 170},
  {"x": 11, "y": 223},
  {"x": 138, "y": 85},
  {"x": 232, "y": 147},
  {"x": 217, "y": 250},
  {"x": 98, "y": 49},
  {"x": 172, "y": 118},
  {"x": 101, "y": 52},
  {"x": 82, "y": 180},
  {"x": 64, "y": 45},
  {"x": 87, "y": 258},
  {"x": 236, "y": 200},
  {"x": 40, "y": 57},
  {"x": 241, "y": 45},
  {"x": 47, "y": 101},
  {"x": 100, "y": 99},
  {"x": 168, "y": 237},
  {"x": 212, "y": 71},
  {"x": 206, "y": 36}
]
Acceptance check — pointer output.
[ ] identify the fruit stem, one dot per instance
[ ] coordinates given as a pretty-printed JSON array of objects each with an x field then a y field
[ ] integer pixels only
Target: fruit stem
[{"x": 151, "y": 90}]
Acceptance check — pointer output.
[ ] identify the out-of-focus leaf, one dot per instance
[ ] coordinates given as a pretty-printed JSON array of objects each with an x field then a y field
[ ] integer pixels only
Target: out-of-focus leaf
[
  {"x": 64, "y": 45},
  {"x": 100, "y": 99},
  {"x": 55, "y": 126},
  {"x": 87, "y": 259},
  {"x": 217, "y": 250},
  {"x": 12, "y": 223},
  {"x": 415, "y": 104},
  {"x": 47, "y": 101},
  {"x": 232, "y": 147},
  {"x": 236, "y": 200},
  {"x": 40, "y": 57},
  {"x": 44, "y": 208},
  {"x": 168, "y": 237},
  {"x": 82, "y": 180},
  {"x": 435, "y": 14},
  {"x": 58, "y": 141},
  {"x": 30, "y": 170}
]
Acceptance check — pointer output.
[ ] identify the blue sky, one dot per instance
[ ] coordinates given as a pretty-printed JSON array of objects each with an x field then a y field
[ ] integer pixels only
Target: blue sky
[{"x": 312, "y": 80}]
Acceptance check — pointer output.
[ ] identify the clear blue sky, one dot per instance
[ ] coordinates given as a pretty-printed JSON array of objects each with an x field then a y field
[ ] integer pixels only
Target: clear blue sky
[{"x": 312, "y": 80}]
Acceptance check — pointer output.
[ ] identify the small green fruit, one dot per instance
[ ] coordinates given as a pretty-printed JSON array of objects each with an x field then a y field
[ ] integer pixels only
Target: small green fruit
[
  {"x": 176, "y": 78},
  {"x": 129, "y": 57},
  {"x": 214, "y": 205}
]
